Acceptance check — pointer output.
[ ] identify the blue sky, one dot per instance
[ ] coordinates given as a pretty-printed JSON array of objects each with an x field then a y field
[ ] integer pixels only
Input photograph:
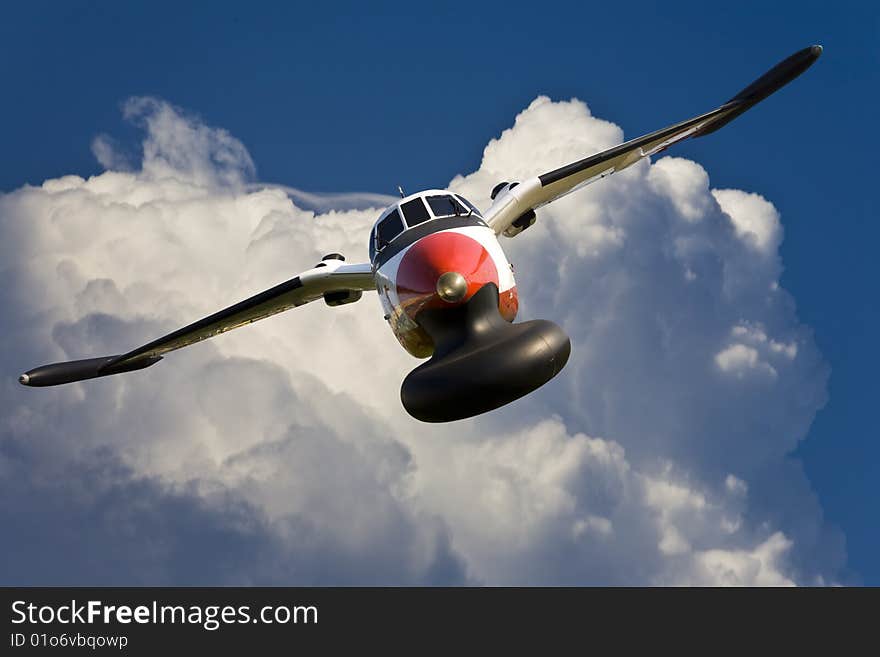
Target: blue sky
[{"x": 337, "y": 98}]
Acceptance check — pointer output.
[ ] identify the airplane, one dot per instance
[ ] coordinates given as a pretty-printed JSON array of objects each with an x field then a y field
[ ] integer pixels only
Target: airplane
[{"x": 445, "y": 285}]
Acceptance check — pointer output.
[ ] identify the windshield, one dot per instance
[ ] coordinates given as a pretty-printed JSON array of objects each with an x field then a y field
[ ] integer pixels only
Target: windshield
[
  {"x": 389, "y": 228},
  {"x": 415, "y": 212},
  {"x": 446, "y": 206},
  {"x": 470, "y": 205}
]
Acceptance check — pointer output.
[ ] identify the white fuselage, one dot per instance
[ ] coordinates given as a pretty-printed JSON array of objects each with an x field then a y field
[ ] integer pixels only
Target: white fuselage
[{"x": 409, "y": 265}]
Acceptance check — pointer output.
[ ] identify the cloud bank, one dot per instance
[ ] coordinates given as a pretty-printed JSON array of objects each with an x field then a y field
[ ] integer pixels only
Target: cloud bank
[{"x": 280, "y": 454}]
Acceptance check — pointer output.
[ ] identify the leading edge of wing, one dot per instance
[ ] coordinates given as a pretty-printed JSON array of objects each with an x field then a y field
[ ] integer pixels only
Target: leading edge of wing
[
  {"x": 773, "y": 80},
  {"x": 769, "y": 83},
  {"x": 593, "y": 160},
  {"x": 274, "y": 300},
  {"x": 328, "y": 276}
]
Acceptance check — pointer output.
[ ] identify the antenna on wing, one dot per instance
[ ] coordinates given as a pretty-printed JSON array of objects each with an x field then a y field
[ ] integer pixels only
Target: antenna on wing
[{"x": 400, "y": 189}]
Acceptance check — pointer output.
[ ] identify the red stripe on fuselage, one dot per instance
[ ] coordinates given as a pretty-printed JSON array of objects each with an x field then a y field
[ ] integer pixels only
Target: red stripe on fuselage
[
  {"x": 508, "y": 303},
  {"x": 431, "y": 257}
]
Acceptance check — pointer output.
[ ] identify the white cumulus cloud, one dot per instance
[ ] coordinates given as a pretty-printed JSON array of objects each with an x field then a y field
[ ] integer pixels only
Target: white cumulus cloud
[{"x": 280, "y": 453}]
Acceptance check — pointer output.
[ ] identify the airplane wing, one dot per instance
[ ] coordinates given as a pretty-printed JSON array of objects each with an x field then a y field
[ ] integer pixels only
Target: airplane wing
[
  {"x": 337, "y": 283},
  {"x": 515, "y": 204}
]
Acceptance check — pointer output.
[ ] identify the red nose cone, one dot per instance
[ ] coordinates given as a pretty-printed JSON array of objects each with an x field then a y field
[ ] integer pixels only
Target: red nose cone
[{"x": 437, "y": 254}]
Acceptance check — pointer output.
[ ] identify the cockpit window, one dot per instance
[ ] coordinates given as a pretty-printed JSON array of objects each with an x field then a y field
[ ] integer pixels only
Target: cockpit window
[
  {"x": 446, "y": 206},
  {"x": 470, "y": 205},
  {"x": 389, "y": 228},
  {"x": 415, "y": 212}
]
